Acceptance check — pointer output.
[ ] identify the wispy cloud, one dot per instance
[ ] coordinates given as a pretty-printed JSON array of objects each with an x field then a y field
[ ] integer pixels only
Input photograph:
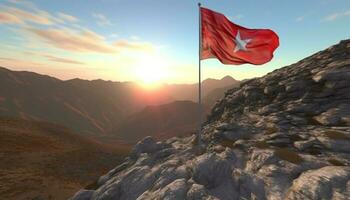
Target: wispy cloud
[
  {"x": 140, "y": 46},
  {"x": 50, "y": 41},
  {"x": 63, "y": 60},
  {"x": 101, "y": 19},
  {"x": 31, "y": 14},
  {"x": 84, "y": 40},
  {"x": 8, "y": 18},
  {"x": 19, "y": 16},
  {"x": 68, "y": 18},
  {"x": 336, "y": 15},
  {"x": 71, "y": 40}
]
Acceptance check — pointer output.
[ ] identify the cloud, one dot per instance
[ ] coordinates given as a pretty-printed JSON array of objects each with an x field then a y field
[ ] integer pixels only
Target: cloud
[
  {"x": 63, "y": 60},
  {"x": 71, "y": 40},
  {"x": 141, "y": 46},
  {"x": 84, "y": 40},
  {"x": 12, "y": 15},
  {"x": 337, "y": 15},
  {"x": 67, "y": 17},
  {"x": 19, "y": 64},
  {"x": 38, "y": 16},
  {"x": 8, "y": 59},
  {"x": 101, "y": 19},
  {"x": 7, "y": 18}
]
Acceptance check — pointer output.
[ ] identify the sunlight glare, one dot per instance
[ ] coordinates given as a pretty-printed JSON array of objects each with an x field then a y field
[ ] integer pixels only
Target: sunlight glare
[{"x": 151, "y": 71}]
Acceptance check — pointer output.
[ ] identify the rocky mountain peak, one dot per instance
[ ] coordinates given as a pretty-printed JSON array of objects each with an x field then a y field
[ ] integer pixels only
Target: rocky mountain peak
[{"x": 282, "y": 136}]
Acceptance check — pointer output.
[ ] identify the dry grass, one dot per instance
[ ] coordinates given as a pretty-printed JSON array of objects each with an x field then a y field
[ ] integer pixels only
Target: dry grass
[
  {"x": 289, "y": 155},
  {"x": 336, "y": 135},
  {"x": 45, "y": 161}
]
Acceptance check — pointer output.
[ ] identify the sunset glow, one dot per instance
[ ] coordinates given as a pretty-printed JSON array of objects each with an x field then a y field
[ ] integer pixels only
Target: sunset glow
[
  {"x": 151, "y": 71},
  {"x": 151, "y": 42}
]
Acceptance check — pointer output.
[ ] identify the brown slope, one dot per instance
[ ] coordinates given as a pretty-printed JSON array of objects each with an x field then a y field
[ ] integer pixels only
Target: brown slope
[
  {"x": 93, "y": 107},
  {"x": 163, "y": 121},
  {"x": 47, "y": 161},
  {"x": 85, "y": 106}
]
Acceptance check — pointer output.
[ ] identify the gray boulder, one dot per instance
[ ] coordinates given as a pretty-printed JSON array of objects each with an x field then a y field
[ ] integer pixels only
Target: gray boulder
[{"x": 326, "y": 183}]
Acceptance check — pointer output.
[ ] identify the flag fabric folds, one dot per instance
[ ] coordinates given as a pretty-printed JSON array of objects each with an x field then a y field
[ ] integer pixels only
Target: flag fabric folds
[{"x": 234, "y": 44}]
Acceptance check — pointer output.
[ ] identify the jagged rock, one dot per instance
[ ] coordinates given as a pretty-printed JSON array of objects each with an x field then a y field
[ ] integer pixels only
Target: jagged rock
[
  {"x": 234, "y": 135},
  {"x": 335, "y": 144},
  {"x": 147, "y": 145},
  {"x": 325, "y": 183},
  {"x": 332, "y": 74},
  {"x": 198, "y": 192},
  {"x": 83, "y": 195},
  {"x": 302, "y": 145},
  {"x": 211, "y": 170},
  {"x": 335, "y": 116},
  {"x": 250, "y": 186},
  {"x": 176, "y": 190},
  {"x": 281, "y": 136},
  {"x": 259, "y": 158},
  {"x": 103, "y": 179}
]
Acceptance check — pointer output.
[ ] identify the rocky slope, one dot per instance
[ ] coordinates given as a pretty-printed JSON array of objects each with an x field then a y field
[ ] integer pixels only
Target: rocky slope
[{"x": 283, "y": 136}]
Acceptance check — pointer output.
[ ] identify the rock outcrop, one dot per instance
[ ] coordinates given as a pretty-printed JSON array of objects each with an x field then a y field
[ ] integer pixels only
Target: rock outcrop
[{"x": 282, "y": 136}]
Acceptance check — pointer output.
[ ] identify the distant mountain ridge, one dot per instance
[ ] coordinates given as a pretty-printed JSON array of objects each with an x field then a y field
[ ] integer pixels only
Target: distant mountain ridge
[
  {"x": 190, "y": 91},
  {"x": 92, "y": 107}
]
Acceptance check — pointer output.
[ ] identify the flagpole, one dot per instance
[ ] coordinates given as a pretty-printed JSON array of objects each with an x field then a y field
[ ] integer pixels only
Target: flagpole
[{"x": 199, "y": 79}]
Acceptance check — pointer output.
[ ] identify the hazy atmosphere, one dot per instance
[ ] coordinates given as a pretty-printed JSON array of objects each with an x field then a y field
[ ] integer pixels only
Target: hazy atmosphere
[
  {"x": 154, "y": 40},
  {"x": 101, "y": 100}
]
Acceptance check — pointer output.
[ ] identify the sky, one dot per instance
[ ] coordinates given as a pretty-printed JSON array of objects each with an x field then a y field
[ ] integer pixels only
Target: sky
[{"x": 155, "y": 40}]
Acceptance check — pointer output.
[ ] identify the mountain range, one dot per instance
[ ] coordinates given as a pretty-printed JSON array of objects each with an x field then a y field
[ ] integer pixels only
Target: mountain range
[
  {"x": 90, "y": 107},
  {"x": 58, "y": 136}
]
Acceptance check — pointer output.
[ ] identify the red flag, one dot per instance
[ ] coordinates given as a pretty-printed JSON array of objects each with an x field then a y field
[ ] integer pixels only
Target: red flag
[{"x": 234, "y": 44}]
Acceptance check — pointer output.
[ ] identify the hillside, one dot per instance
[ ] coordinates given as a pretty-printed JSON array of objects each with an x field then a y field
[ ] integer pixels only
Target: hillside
[
  {"x": 285, "y": 135},
  {"x": 41, "y": 160},
  {"x": 90, "y": 107},
  {"x": 179, "y": 118},
  {"x": 84, "y": 106},
  {"x": 190, "y": 91},
  {"x": 213, "y": 96}
]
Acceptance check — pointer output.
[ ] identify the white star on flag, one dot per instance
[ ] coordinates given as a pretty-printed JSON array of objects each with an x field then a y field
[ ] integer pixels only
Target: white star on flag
[{"x": 240, "y": 44}]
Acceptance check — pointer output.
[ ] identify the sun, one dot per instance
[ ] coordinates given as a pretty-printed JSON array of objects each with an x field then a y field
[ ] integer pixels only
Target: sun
[{"x": 151, "y": 71}]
